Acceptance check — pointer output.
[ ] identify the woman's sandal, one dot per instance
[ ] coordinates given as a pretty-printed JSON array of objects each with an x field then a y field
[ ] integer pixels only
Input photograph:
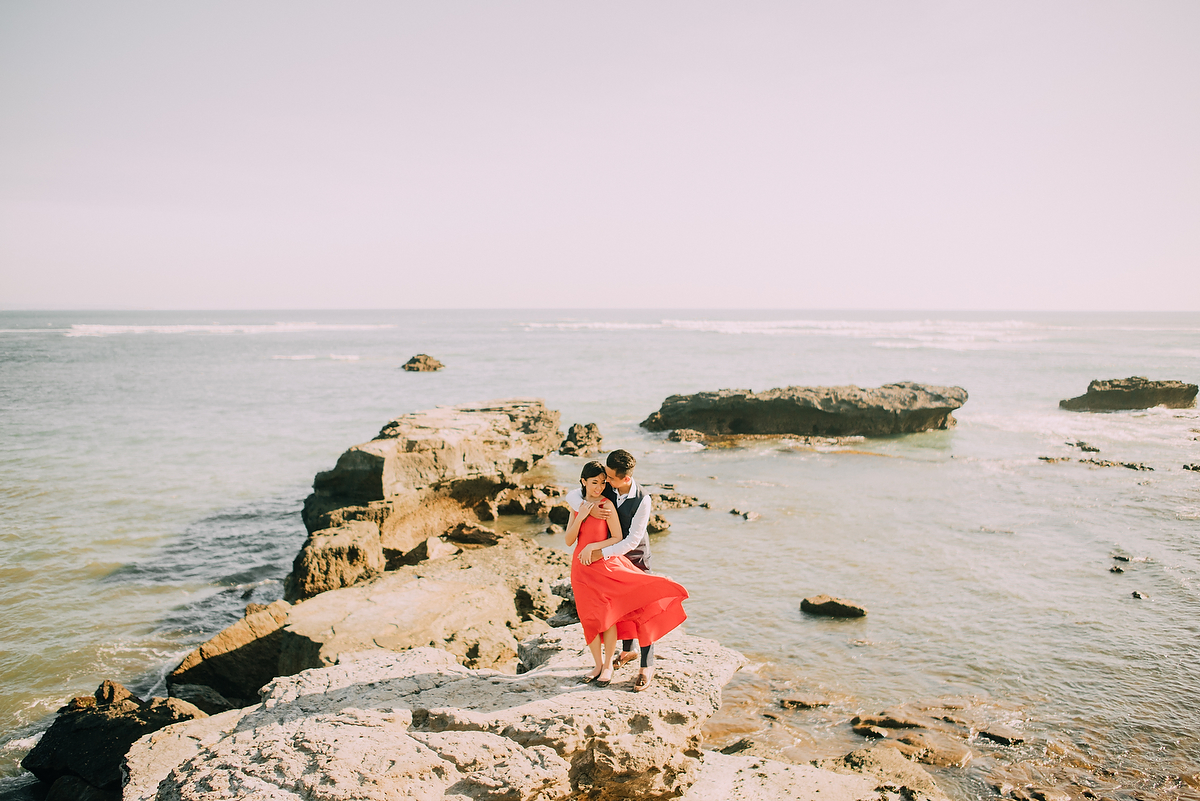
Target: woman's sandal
[
  {"x": 603, "y": 682},
  {"x": 589, "y": 679},
  {"x": 641, "y": 683}
]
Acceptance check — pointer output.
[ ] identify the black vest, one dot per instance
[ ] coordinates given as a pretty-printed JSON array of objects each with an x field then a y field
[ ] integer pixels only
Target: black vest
[{"x": 640, "y": 556}]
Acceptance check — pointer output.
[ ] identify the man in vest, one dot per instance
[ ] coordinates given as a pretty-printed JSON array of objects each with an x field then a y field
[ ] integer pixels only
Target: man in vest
[{"x": 632, "y": 506}]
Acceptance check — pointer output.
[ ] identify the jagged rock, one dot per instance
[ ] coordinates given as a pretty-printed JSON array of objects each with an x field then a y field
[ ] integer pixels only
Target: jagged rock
[
  {"x": 1053, "y": 459},
  {"x": 1107, "y": 463},
  {"x": 582, "y": 440},
  {"x": 1083, "y": 446},
  {"x": 670, "y": 499},
  {"x": 422, "y": 363},
  {"x": 686, "y": 435},
  {"x": 423, "y": 474},
  {"x": 154, "y": 755},
  {"x": 657, "y": 524},
  {"x": 891, "y": 768},
  {"x": 430, "y": 549},
  {"x": 417, "y": 724},
  {"x": 1135, "y": 392},
  {"x": 803, "y": 702},
  {"x": 468, "y": 534},
  {"x": 750, "y": 515},
  {"x": 560, "y": 514},
  {"x": 239, "y": 660},
  {"x": 812, "y": 411},
  {"x": 933, "y": 748},
  {"x": 831, "y": 607},
  {"x": 337, "y": 557},
  {"x": 203, "y": 698},
  {"x": 472, "y": 605},
  {"x": 89, "y": 740},
  {"x": 1195, "y": 467}
]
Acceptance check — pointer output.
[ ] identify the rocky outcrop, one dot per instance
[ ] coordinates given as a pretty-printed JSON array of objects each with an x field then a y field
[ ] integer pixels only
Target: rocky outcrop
[
  {"x": 238, "y": 660},
  {"x": 896, "y": 774},
  {"x": 423, "y": 474},
  {"x": 91, "y": 734},
  {"x": 742, "y": 778},
  {"x": 1135, "y": 392},
  {"x": 476, "y": 601},
  {"x": 582, "y": 440},
  {"x": 812, "y": 411},
  {"x": 831, "y": 607},
  {"x": 419, "y": 725},
  {"x": 422, "y": 363},
  {"x": 476, "y": 605}
]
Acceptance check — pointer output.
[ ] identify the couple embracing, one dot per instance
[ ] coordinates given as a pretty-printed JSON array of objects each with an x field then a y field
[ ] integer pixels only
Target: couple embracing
[{"x": 615, "y": 594}]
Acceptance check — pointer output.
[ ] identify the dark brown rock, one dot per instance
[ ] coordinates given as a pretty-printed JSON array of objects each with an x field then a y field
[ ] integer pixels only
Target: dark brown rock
[
  {"x": 899, "y": 408},
  {"x": 803, "y": 702},
  {"x": 203, "y": 698},
  {"x": 686, "y": 435},
  {"x": 90, "y": 742},
  {"x": 831, "y": 607},
  {"x": 73, "y": 788},
  {"x": 670, "y": 499},
  {"x": 1135, "y": 392},
  {"x": 582, "y": 440},
  {"x": 658, "y": 524},
  {"x": 467, "y": 534},
  {"x": 422, "y": 363}
]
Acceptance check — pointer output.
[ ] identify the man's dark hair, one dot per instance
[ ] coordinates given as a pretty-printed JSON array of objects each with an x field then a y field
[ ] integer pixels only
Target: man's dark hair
[{"x": 621, "y": 462}]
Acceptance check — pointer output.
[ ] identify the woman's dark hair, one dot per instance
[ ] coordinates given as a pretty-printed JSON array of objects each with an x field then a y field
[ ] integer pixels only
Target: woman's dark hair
[{"x": 591, "y": 470}]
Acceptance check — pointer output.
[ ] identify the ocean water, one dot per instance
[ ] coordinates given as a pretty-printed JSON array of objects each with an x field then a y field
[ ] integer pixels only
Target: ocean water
[{"x": 153, "y": 467}]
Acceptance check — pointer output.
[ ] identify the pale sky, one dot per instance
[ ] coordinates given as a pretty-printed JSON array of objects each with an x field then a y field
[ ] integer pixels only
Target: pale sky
[{"x": 810, "y": 155}]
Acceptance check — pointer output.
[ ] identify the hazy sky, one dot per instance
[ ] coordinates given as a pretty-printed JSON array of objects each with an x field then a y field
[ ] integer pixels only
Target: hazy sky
[{"x": 840, "y": 154}]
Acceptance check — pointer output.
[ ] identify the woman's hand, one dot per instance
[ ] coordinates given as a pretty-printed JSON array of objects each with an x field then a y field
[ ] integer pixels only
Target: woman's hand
[
  {"x": 585, "y": 507},
  {"x": 588, "y": 554}
]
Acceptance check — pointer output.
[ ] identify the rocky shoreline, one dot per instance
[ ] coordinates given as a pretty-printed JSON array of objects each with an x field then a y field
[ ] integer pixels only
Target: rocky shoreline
[{"x": 419, "y": 653}]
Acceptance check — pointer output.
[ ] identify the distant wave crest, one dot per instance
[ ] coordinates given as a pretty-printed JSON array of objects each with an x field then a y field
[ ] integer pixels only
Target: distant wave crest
[
  {"x": 88, "y": 330},
  {"x": 950, "y": 334}
]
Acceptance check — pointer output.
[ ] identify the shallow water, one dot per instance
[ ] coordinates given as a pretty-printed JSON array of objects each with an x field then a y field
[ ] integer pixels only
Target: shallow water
[{"x": 154, "y": 465}]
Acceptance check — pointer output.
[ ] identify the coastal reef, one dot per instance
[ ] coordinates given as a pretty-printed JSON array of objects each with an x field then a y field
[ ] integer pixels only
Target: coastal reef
[
  {"x": 843, "y": 411},
  {"x": 422, "y": 654},
  {"x": 1135, "y": 392}
]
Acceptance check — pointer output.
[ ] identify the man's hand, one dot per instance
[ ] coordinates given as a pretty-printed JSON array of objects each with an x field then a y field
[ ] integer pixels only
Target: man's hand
[{"x": 604, "y": 510}]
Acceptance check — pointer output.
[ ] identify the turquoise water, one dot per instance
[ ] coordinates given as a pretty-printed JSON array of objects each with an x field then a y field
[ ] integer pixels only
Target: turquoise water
[{"x": 153, "y": 465}]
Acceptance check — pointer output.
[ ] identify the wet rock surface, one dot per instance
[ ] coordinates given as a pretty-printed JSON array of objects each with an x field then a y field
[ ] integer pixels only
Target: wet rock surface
[
  {"x": 1135, "y": 392},
  {"x": 899, "y": 408}
]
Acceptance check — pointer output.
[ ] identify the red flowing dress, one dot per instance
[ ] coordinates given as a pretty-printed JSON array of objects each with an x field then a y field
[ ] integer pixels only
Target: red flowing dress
[{"x": 612, "y": 591}]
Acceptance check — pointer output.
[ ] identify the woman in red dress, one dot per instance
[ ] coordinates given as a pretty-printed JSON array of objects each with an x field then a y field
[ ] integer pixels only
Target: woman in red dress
[{"x": 611, "y": 595}]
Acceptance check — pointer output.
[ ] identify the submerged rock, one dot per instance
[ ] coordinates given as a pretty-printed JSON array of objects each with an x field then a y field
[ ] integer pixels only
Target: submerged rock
[
  {"x": 238, "y": 660},
  {"x": 423, "y": 363},
  {"x": 1135, "y": 392},
  {"x": 899, "y": 408},
  {"x": 831, "y": 607}
]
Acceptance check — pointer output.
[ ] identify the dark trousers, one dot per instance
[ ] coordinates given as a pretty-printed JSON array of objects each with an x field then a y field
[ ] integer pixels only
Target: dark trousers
[{"x": 627, "y": 645}]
